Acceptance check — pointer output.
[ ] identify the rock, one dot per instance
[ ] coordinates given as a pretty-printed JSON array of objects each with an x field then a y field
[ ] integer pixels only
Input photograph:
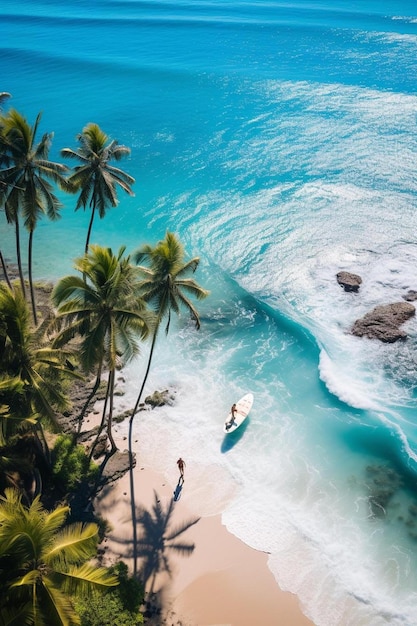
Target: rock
[
  {"x": 410, "y": 296},
  {"x": 101, "y": 447},
  {"x": 117, "y": 466},
  {"x": 383, "y": 322},
  {"x": 160, "y": 398},
  {"x": 383, "y": 482},
  {"x": 349, "y": 282}
]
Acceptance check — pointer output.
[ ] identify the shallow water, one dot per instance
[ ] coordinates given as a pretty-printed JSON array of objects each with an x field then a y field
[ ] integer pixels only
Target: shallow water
[{"x": 278, "y": 139}]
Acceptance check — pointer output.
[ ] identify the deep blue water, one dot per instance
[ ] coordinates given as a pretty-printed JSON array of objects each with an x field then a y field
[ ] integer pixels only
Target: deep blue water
[{"x": 278, "y": 139}]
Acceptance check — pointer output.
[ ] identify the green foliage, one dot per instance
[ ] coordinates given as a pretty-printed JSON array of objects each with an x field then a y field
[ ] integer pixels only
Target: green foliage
[
  {"x": 116, "y": 607},
  {"x": 71, "y": 465},
  {"x": 44, "y": 562}
]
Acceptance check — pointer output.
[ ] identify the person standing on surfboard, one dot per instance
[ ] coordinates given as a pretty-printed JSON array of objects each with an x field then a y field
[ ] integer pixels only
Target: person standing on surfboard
[
  {"x": 181, "y": 466},
  {"x": 233, "y": 410}
]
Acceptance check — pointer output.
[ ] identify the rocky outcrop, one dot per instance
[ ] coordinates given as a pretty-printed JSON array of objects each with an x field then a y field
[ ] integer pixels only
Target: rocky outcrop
[
  {"x": 384, "y": 322},
  {"x": 410, "y": 296},
  {"x": 349, "y": 281},
  {"x": 160, "y": 398}
]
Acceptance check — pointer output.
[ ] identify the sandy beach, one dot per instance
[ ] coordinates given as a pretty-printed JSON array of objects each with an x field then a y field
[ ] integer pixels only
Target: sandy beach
[{"x": 223, "y": 582}]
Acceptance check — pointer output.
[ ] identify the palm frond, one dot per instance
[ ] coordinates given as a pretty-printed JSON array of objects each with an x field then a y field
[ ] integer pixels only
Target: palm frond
[
  {"x": 85, "y": 577},
  {"x": 20, "y": 614},
  {"x": 75, "y": 542}
]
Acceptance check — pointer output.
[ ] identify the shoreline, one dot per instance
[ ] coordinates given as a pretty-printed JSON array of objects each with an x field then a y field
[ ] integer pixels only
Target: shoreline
[{"x": 224, "y": 582}]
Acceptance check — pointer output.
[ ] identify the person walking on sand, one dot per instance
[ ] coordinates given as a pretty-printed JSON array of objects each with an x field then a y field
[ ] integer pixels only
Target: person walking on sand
[{"x": 181, "y": 466}]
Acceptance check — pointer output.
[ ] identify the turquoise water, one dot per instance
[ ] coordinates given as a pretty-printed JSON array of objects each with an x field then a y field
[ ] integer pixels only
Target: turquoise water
[{"x": 279, "y": 140}]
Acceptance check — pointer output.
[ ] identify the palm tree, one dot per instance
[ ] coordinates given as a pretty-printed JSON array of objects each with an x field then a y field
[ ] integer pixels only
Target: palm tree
[
  {"x": 42, "y": 562},
  {"x": 4, "y": 268},
  {"x": 25, "y": 188},
  {"x": 32, "y": 372},
  {"x": 157, "y": 540},
  {"x": 29, "y": 364},
  {"x": 105, "y": 309},
  {"x": 166, "y": 287},
  {"x": 4, "y": 95},
  {"x": 95, "y": 177}
]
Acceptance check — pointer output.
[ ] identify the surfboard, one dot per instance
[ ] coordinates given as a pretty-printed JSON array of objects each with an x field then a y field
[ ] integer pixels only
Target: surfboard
[{"x": 243, "y": 406}]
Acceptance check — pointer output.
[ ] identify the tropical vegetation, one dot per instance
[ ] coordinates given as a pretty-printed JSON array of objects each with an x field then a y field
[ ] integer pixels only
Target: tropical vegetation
[
  {"x": 42, "y": 562},
  {"x": 91, "y": 324},
  {"x": 25, "y": 187},
  {"x": 115, "y": 606},
  {"x": 166, "y": 287},
  {"x": 95, "y": 178}
]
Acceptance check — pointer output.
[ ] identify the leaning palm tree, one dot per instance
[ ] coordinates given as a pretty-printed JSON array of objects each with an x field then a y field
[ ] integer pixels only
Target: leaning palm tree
[
  {"x": 95, "y": 178},
  {"x": 157, "y": 540},
  {"x": 166, "y": 287},
  {"x": 32, "y": 371},
  {"x": 43, "y": 562},
  {"x": 104, "y": 307},
  {"x": 4, "y": 95},
  {"x": 24, "y": 183}
]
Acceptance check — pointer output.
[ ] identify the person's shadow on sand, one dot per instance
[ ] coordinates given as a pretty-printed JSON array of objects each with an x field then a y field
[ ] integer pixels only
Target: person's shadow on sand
[{"x": 178, "y": 489}]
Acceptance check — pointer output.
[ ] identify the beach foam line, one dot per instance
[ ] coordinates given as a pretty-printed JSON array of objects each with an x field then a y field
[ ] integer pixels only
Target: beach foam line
[{"x": 223, "y": 583}]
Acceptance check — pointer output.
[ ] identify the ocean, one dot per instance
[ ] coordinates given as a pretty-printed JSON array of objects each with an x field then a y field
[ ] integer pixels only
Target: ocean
[{"x": 278, "y": 140}]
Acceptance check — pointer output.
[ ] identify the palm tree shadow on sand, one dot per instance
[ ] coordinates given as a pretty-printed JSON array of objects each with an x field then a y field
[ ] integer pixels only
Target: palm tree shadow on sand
[
  {"x": 231, "y": 439},
  {"x": 157, "y": 540}
]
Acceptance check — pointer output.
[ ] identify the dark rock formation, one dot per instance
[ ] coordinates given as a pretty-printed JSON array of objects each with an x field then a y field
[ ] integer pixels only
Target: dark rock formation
[
  {"x": 382, "y": 482},
  {"x": 349, "y": 282},
  {"x": 410, "y": 296},
  {"x": 117, "y": 466},
  {"x": 160, "y": 398},
  {"x": 383, "y": 322}
]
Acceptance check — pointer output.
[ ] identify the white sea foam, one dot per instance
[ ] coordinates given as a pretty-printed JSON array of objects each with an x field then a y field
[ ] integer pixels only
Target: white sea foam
[{"x": 277, "y": 184}]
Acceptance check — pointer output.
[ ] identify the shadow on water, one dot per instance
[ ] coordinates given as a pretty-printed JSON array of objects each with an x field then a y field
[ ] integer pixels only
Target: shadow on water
[{"x": 231, "y": 439}]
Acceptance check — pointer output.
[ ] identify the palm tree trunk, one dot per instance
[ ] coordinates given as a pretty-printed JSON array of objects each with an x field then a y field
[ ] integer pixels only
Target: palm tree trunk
[
  {"x": 4, "y": 267},
  {"x": 87, "y": 402},
  {"x": 43, "y": 443},
  {"x": 90, "y": 227},
  {"x": 19, "y": 256},
  {"x": 32, "y": 291},
  {"x": 131, "y": 476},
  {"x": 103, "y": 420},
  {"x": 110, "y": 418}
]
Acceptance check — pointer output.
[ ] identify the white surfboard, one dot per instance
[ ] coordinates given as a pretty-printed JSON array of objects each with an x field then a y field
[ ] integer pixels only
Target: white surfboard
[{"x": 243, "y": 406}]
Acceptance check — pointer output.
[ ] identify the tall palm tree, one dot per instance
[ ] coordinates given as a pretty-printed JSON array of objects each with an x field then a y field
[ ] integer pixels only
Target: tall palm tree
[
  {"x": 32, "y": 372},
  {"x": 24, "y": 183},
  {"x": 95, "y": 178},
  {"x": 158, "y": 539},
  {"x": 103, "y": 307},
  {"x": 4, "y": 95},
  {"x": 42, "y": 562},
  {"x": 166, "y": 287}
]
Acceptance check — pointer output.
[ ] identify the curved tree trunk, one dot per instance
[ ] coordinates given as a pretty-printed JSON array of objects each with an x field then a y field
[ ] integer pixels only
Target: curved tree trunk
[
  {"x": 87, "y": 402},
  {"x": 32, "y": 291},
  {"x": 110, "y": 418},
  {"x": 19, "y": 257},
  {"x": 131, "y": 476},
  {"x": 103, "y": 421},
  {"x": 4, "y": 267}
]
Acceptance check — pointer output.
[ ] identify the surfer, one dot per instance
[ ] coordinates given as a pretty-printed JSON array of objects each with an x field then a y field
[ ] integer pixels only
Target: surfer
[
  {"x": 233, "y": 411},
  {"x": 181, "y": 466}
]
